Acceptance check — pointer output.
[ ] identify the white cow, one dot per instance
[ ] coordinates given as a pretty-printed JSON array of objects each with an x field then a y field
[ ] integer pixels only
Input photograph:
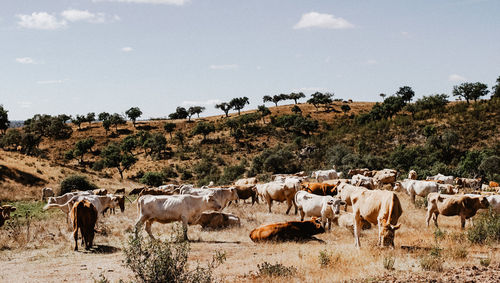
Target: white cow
[
  {"x": 277, "y": 191},
  {"x": 222, "y": 195},
  {"x": 47, "y": 192},
  {"x": 325, "y": 207},
  {"x": 412, "y": 175},
  {"x": 416, "y": 188},
  {"x": 447, "y": 189},
  {"x": 323, "y": 175},
  {"x": 441, "y": 178},
  {"x": 345, "y": 190},
  {"x": 385, "y": 176},
  {"x": 99, "y": 202},
  {"x": 166, "y": 209},
  {"x": 64, "y": 199},
  {"x": 363, "y": 181},
  {"x": 246, "y": 182}
]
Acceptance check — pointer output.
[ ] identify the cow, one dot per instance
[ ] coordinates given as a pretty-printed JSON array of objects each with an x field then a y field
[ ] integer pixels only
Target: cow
[
  {"x": 5, "y": 211},
  {"x": 323, "y": 175},
  {"x": 166, "y": 209},
  {"x": 287, "y": 231},
  {"x": 493, "y": 201},
  {"x": 386, "y": 176},
  {"x": 353, "y": 172},
  {"x": 154, "y": 192},
  {"x": 47, "y": 192},
  {"x": 84, "y": 217},
  {"x": 380, "y": 208},
  {"x": 277, "y": 191},
  {"x": 136, "y": 191},
  {"x": 218, "y": 220},
  {"x": 171, "y": 188},
  {"x": 60, "y": 200},
  {"x": 100, "y": 192},
  {"x": 320, "y": 189},
  {"x": 363, "y": 181},
  {"x": 223, "y": 195},
  {"x": 100, "y": 202},
  {"x": 325, "y": 207},
  {"x": 493, "y": 184},
  {"x": 412, "y": 175},
  {"x": 345, "y": 191},
  {"x": 447, "y": 189},
  {"x": 474, "y": 184},
  {"x": 120, "y": 191},
  {"x": 370, "y": 173},
  {"x": 442, "y": 178},
  {"x": 245, "y": 192},
  {"x": 120, "y": 203},
  {"x": 246, "y": 182},
  {"x": 451, "y": 205},
  {"x": 416, "y": 188},
  {"x": 346, "y": 220}
]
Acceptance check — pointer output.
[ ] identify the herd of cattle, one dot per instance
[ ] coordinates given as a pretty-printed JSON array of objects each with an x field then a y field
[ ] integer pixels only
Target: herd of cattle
[{"x": 319, "y": 196}]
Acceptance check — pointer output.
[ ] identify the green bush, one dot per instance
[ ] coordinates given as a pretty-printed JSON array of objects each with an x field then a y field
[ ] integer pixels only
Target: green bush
[
  {"x": 276, "y": 270},
  {"x": 232, "y": 173},
  {"x": 324, "y": 258},
  {"x": 153, "y": 179},
  {"x": 76, "y": 182},
  {"x": 486, "y": 228}
]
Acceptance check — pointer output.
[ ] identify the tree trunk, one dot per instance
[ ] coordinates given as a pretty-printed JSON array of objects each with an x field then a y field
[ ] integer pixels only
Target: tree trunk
[
  {"x": 295, "y": 101},
  {"x": 121, "y": 173}
]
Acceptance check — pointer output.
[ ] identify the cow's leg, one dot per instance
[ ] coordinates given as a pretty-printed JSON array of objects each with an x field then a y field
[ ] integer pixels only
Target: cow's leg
[
  {"x": 269, "y": 202},
  {"x": 330, "y": 223},
  {"x": 148, "y": 228},
  {"x": 75, "y": 236},
  {"x": 140, "y": 221},
  {"x": 462, "y": 221},
  {"x": 435, "y": 218},
  {"x": 302, "y": 214},
  {"x": 345, "y": 207},
  {"x": 412, "y": 196},
  {"x": 295, "y": 205},
  {"x": 379, "y": 224},
  {"x": 357, "y": 229},
  {"x": 185, "y": 228},
  {"x": 289, "y": 202},
  {"x": 428, "y": 216}
]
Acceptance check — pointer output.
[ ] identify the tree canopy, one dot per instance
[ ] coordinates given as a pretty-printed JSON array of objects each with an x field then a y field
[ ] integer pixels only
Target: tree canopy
[
  {"x": 471, "y": 91},
  {"x": 225, "y": 107},
  {"x": 239, "y": 103},
  {"x": 4, "y": 119},
  {"x": 133, "y": 113},
  {"x": 180, "y": 113}
]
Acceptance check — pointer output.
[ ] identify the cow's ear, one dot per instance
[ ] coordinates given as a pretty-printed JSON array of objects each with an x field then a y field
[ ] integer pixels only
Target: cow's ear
[
  {"x": 342, "y": 202},
  {"x": 330, "y": 202}
]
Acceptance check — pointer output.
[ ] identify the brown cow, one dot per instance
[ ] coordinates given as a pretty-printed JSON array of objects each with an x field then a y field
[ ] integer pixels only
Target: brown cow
[
  {"x": 288, "y": 231},
  {"x": 451, "y": 205},
  {"x": 380, "y": 208},
  {"x": 245, "y": 192},
  {"x": 5, "y": 213},
  {"x": 120, "y": 191},
  {"x": 320, "y": 189},
  {"x": 218, "y": 220},
  {"x": 84, "y": 217},
  {"x": 353, "y": 172}
]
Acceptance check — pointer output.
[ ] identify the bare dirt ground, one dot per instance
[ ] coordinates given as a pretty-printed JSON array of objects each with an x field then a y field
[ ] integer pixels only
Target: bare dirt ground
[{"x": 46, "y": 254}]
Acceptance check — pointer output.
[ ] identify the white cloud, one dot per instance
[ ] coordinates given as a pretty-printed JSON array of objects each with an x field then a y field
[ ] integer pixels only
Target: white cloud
[
  {"x": 165, "y": 2},
  {"x": 50, "y": 82},
  {"x": 371, "y": 62},
  {"x": 74, "y": 15},
  {"x": 25, "y": 60},
  {"x": 224, "y": 67},
  {"x": 318, "y": 20},
  {"x": 201, "y": 103},
  {"x": 456, "y": 78},
  {"x": 40, "y": 20},
  {"x": 127, "y": 49}
]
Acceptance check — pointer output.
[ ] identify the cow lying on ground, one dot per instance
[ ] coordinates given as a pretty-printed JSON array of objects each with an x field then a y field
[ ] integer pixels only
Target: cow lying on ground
[
  {"x": 218, "y": 220},
  {"x": 277, "y": 191},
  {"x": 312, "y": 205},
  {"x": 166, "y": 209},
  {"x": 84, "y": 217},
  {"x": 287, "y": 231},
  {"x": 246, "y": 182},
  {"x": 451, "y": 205},
  {"x": 246, "y": 192},
  {"x": 353, "y": 172},
  {"x": 346, "y": 220},
  {"x": 380, "y": 208},
  {"x": 416, "y": 188},
  {"x": 320, "y": 189},
  {"x": 46, "y": 193},
  {"x": 154, "y": 192},
  {"x": 5, "y": 211}
]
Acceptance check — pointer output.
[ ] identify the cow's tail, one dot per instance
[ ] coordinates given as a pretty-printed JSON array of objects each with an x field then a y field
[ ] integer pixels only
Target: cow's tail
[{"x": 390, "y": 209}]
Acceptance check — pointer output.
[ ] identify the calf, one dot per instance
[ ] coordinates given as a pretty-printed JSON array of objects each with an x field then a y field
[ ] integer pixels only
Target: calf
[
  {"x": 287, "y": 231},
  {"x": 166, "y": 209},
  {"x": 325, "y": 207},
  {"x": 474, "y": 184},
  {"x": 346, "y": 220},
  {"x": 451, "y": 205},
  {"x": 218, "y": 220},
  {"x": 363, "y": 181},
  {"x": 84, "y": 217}
]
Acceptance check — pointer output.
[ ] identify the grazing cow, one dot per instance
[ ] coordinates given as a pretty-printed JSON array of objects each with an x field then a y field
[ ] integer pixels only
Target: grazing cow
[
  {"x": 277, "y": 191},
  {"x": 223, "y": 195},
  {"x": 246, "y": 182},
  {"x": 380, "y": 208},
  {"x": 320, "y": 189},
  {"x": 451, "y": 205},
  {"x": 442, "y": 178},
  {"x": 345, "y": 192},
  {"x": 120, "y": 191},
  {"x": 5, "y": 211},
  {"x": 353, "y": 172},
  {"x": 136, "y": 191},
  {"x": 166, "y": 209},
  {"x": 416, "y": 188},
  {"x": 363, "y": 181},
  {"x": 412, "y": 175},
  {"x": 474, "y": 184},
  {"x": 245, "y": 192},
  {"x": 323, "y": 175},
  {"x": 100, "y": 192},
  {"x": 218, "y": 220},
  {"x": 325, "y": 207},
  {"x": 47, "y": 192},
  {"x": 287, "y": 231},
  {"x": 120, "y": 203},
  {"x": 386, "y": 176},
  {"x": 84, "y": 217},
  {"x": 346, "y": 220}
]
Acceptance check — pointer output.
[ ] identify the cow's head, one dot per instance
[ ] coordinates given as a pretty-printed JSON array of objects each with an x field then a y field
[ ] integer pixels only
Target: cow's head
[
  {"x": 318, "y": 227},
  {"x": 6, "y": 210},
  {"x": 398, "y": 187},
  {"x": 234, "y": 193},
  {"x": 388, "y": 231},
  {"x": 483, "y": 202},
  {"x": 335, "y": 203},
  {"x": 212, "y": 202}
]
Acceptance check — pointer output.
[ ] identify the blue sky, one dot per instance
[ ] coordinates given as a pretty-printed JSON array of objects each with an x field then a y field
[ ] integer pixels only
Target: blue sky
[{"x": 75, "y": 57}]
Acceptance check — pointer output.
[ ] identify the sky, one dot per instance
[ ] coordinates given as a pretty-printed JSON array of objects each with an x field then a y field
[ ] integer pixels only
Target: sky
[{"x": 76, "y": 57}]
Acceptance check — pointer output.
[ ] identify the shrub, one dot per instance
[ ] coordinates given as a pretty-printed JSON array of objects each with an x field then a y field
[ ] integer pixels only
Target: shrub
[
  {"x": 153, "y": 179},
  {"x": 486, "y": 228},
  {"x": 485, "y": 262},
  {"x": 276, "y": 270},
  {"x": 324, "y": 258},
  {"x": 163, "y": 261},
  {"x": 232, "y": 173},
  {"x": 431, "y": 263},
  {"x": 389, "y": 262},
  {"x": 76, "y": 182},
  {"x": 460, "y": 252}
]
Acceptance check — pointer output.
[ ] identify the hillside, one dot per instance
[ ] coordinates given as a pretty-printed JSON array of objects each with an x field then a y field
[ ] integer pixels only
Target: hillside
[{"x": 429, "y": 141}]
